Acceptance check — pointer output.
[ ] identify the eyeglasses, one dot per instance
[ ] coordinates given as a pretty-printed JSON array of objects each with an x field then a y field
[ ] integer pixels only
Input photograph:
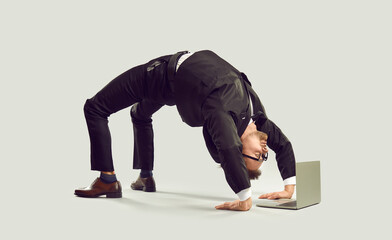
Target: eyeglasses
[{"x": 263, "y": 157}]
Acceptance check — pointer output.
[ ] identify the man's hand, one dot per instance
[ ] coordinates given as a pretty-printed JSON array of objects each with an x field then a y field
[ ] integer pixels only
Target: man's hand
[
  {"x": 287, "y": 193},
  {"x": 236, "y": 205}
]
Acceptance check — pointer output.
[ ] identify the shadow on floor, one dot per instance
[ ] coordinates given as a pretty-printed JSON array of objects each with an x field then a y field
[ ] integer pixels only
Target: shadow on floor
[{"x": 197, "y": 196}]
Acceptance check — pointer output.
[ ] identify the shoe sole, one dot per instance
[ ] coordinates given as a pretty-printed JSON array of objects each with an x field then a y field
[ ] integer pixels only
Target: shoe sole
[
  {"x": 144, "y": 189},
  {"x": 108, "y": 195}
]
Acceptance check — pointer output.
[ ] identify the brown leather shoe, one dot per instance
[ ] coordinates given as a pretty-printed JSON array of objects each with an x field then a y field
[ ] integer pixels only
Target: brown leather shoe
[
  {"x": 99, "y": 188},
  {"x": 144, "y": 184}
]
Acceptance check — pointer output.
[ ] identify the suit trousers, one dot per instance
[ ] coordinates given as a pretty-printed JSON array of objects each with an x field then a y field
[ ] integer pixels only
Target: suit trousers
[{"x": 146, "y": 89}]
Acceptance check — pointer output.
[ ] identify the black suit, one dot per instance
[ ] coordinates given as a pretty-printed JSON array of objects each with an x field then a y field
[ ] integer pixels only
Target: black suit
[{"x": 208, "y": 92}]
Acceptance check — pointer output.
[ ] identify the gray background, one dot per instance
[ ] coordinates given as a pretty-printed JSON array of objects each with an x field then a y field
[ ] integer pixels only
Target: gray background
[{"x": 320, "y": 67}]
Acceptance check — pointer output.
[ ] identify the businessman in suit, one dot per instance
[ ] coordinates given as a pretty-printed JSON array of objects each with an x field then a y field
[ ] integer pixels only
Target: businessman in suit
[{"x": 208, "y": 92}]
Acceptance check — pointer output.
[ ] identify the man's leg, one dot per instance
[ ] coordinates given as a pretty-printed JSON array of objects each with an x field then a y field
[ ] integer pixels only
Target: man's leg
[
  {"x": 120, "y": 93},
  {"x": 116, "y": 95},
  {"x": 143, "y": 155}
]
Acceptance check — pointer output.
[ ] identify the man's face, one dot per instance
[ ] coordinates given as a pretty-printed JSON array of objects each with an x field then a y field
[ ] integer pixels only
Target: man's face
[{"x": 254, "y": 147}]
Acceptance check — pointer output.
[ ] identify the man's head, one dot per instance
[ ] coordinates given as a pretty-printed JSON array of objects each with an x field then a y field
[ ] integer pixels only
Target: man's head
[{"x": 254, "y": 146}]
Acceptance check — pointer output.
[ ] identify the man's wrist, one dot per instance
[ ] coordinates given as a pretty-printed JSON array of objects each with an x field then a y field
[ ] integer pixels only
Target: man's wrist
[
  {"x": 246, "y": 204},
  {"x": 289, "y": 188}
]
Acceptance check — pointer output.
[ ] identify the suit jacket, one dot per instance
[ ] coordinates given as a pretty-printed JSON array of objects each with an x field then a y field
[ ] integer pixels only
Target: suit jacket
[{"x": 210, "y": 92}]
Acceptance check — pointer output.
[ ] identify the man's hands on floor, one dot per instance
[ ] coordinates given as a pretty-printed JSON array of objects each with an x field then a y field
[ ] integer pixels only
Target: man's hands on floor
[
  {"x": 286, "y": 193},
  {"x": 236, "y": 205}
]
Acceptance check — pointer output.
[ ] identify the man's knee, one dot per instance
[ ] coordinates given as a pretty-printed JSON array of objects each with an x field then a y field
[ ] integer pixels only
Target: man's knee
[
  {"x": 137, "y": 115},
  {"x": 91, "y": 109}
]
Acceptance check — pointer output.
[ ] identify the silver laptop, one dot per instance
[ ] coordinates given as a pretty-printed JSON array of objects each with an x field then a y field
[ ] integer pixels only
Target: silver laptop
[{"x": 308, "y": 188}]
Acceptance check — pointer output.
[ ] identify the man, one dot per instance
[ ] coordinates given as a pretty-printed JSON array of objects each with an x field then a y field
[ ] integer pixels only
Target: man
[{"x": 208, "y": 92}]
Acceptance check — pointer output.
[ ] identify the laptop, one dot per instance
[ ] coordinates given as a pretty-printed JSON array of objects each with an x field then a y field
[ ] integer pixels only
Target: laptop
[{"x": 308, "y": 188}]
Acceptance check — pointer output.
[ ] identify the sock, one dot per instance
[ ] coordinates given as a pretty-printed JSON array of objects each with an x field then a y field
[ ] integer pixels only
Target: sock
[
  {"x": 107, "y": 178},
  {"x": 145, "y": 173}
]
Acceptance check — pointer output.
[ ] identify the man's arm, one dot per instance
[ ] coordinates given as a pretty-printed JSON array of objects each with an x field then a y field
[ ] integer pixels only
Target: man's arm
[
  {"x": 219, "y": 126},
  {"x": 279, "y": 143}
]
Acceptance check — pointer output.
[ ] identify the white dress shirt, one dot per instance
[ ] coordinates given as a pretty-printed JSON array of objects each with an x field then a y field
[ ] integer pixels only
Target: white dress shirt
[{"x": 182, "y": 59}]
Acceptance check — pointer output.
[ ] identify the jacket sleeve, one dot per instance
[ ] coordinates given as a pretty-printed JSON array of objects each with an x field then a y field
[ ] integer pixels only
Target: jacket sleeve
[
  {"x": 220, "y": 127},
  {"x": 210, "y": 145}
]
